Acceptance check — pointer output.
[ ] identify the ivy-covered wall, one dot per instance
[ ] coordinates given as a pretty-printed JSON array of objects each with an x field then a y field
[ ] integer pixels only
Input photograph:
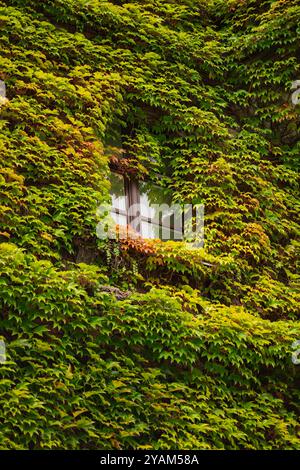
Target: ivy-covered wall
[{"x": 195, "y": 349}]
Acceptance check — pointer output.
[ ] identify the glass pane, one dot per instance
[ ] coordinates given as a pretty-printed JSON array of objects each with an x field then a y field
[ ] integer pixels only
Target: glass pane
[
  {"x": 154, "y": 202},
  {"x": 169, "y": 234},
  {"x": 118, "y": 192},
  {"x": 119, "y": 219},
  {"x": 146, "y": 209},
  {"x": 149, "y": 230}
]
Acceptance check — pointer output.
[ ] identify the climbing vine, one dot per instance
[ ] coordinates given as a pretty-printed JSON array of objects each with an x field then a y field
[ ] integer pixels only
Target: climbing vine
[{"x": 136, "y": 343}]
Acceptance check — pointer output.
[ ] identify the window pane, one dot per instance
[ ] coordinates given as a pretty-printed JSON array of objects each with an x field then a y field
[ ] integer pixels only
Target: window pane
[
  {"x": 146, "y": 209},
  {"x": 154, "y": 202},
  {"x": 119, "y": 219},
  {"x": 118, "y": 192},
  {"x": 169, "y": 234},
  {"x": 149, "y": 230}
]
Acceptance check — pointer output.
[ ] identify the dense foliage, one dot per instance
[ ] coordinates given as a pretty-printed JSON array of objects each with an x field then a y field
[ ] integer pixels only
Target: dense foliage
[{"x": 198, "y": 353}]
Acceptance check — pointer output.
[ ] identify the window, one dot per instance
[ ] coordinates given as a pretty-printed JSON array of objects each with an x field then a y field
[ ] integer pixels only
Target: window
[
  {"x": 146, "y": 208},
  {"x": 118, "y": 196},
  {"x": 158, "y": 215}
]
